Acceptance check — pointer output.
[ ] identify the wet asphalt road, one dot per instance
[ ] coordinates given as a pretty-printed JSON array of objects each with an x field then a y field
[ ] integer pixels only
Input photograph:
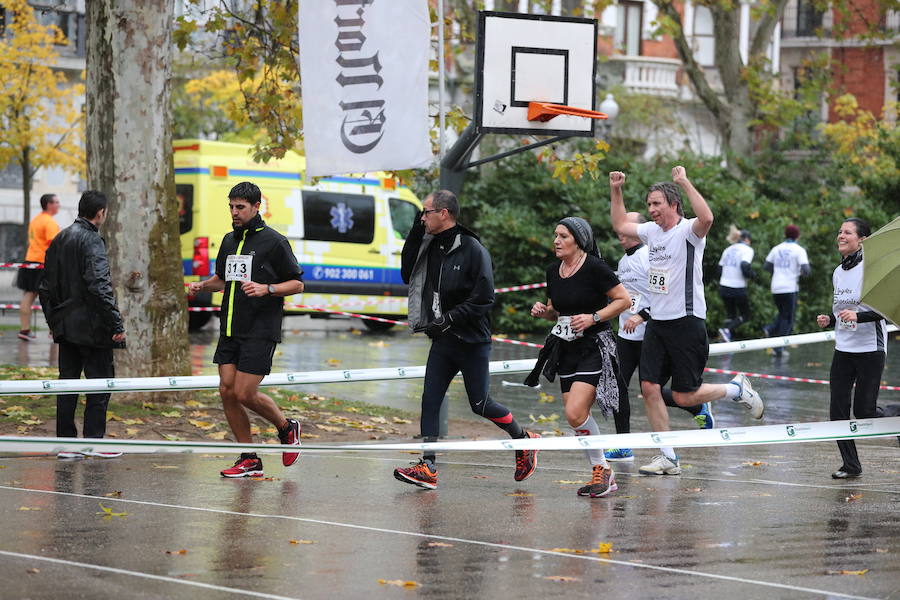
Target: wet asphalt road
[{"x": 779, "y": 529}]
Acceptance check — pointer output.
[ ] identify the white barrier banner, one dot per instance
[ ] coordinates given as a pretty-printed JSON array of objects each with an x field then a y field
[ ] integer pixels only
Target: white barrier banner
[
  {"x": 364, "y": 72},
  {"x": 209, "y": 382},
  {"x": 823, "y": 431}
]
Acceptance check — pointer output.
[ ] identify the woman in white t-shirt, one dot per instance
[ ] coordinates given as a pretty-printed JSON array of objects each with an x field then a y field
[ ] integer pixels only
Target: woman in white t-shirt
[
  {"x": 860, "y": 343},
  {"x": 735, "y": 270}
]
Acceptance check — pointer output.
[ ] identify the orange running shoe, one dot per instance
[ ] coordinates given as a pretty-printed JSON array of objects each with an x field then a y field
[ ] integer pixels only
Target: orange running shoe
[
  {"x": 422, "y": 474},
  {"x": 603, "y": 482},
  {"x": 526, "y": 460}
]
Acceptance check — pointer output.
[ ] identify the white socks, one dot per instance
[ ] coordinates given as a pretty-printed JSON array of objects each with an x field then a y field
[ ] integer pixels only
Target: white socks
[
  {"x": 589, "y": 427},
  {"x": 732, "y": 391}
]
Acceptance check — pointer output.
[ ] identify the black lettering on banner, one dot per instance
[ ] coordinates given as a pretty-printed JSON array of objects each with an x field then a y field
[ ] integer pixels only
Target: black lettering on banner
[{"x": 364, "y": 115}]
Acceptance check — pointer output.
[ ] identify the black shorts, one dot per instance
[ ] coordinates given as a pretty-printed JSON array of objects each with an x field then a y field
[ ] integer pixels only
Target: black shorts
[
  {"x": 251, "y": 355},
  {"x": 678, "y": 348},
  {"x": 579, "y": 361},
  {"x": 28, "y": 280}
]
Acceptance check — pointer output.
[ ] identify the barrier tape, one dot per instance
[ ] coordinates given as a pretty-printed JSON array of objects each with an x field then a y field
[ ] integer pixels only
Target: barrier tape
[
  {"x": 182, "y": 383},
  {"x": 690, "y": 438},
  {"x": 19, "y": 265},
  {"x": 519, "y": 288},
  {"x": 17, "y": 306},
  {"x": 786, "y": 378}
]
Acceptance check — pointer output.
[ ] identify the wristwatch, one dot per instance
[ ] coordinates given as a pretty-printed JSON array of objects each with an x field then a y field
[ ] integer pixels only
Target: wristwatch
[
  {"x": 596, "y": 317},
  {"x": 271, "y": 289}
]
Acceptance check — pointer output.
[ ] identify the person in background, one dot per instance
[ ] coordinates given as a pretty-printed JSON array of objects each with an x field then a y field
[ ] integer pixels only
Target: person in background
[
  {"x": 734, "y": 271},
  {"x": 787, "y": 262},
  {"x": 78, "y": 302},
  {"x": 41, "y": 231}
]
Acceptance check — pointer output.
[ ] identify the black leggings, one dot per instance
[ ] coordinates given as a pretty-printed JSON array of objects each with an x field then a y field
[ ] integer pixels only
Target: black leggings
[
  {"x": 737, "y": 306},
  {"x": 449, "y": 356},
  {"x": 864, "y": 370},
  {"x": 629, "y": 358},
  {"x": 787, "y": 307}
]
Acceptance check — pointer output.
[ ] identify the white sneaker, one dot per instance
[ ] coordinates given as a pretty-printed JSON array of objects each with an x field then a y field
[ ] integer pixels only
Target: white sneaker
[
  {"x": 70, "y": 455},
  {"x": 96, "y": 454},
  {"x": 749, "y": 398},
  {"x": 661, "y": 465}
]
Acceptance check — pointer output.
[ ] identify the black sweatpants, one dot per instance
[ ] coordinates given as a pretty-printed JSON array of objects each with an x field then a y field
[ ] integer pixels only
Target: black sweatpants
[
  {"x": 629, "y": 352},
  {"x": 862, "y": 370},
  {"x": 737, "y": 306},
  {"x": 95, "y": 363},
  {"x": 448, "y": 356}
]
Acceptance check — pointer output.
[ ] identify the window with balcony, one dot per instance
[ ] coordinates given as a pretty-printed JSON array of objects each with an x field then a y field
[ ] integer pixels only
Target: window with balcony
[
  {"x": 629, "y": 16},
  {"x": 809, "y": 19}
]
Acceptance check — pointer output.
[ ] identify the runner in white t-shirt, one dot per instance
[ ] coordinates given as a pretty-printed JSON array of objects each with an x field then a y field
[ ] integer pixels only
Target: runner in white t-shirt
[
  {"x": 787, "y": 262},
  {"x": 735, "y": 270},
  {"x": 860, "y": 343},
  {"x": 675, "y": 342}
]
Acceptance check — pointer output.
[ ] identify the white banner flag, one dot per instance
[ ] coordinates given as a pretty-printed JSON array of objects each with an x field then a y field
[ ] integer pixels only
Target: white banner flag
[{"x": 364, "y": 70}]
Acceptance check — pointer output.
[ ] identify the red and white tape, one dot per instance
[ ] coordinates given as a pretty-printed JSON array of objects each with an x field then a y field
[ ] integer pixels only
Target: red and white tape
[
  {"x": 519, "y": 288},
  {"x": 19, "y": 265},
  {"x": 892, "y": 388}
]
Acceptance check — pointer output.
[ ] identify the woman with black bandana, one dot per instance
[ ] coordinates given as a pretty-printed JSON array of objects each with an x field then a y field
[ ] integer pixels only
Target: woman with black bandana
[
  {"x": 584, "y": 295},
  {"x": 860, "y": 342}
]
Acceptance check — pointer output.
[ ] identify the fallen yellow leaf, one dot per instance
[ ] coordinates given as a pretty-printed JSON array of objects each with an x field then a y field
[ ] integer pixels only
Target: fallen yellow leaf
[
  {"x": 201, "y": 424},
  {"x": 561, "y": 578},
  {"x": 171, "y": 413},
  {"x": 29, "y": 508},
  {"x": 108, "y": 512},
  {"x": 603, "y": 548},
  {"x": 398, "y": 583},
  {"x": 165, "y": 467},
  {"x": 302, "y": 541},
  {"x": 568, "y": 482},
  {"x": 846, "y": 572},
  {"x": 116, "y": 494},
  {"x": 400, "y": 421},
  {"x": 182, "y": 551},
  {"x": 520, "y": 494},
  {"x": 217, "y": 435},
  {"x": 133, "y": 422},
  {"x": 131, "y": 430},
  {"x": 439, "y": 545}
]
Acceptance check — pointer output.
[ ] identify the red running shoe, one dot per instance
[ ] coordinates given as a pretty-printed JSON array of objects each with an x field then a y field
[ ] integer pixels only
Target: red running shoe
[
  {"x": 421, "y": 474},
  {"x": 603, "y": 482},
  {"x": 526, "y": 460},
  {"x": 245, "y": 466},
  {"x": 291, "y": 437}
]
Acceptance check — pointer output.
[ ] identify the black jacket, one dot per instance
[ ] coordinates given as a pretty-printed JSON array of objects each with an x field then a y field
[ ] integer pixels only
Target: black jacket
[
  {"x": 76, "y": 292},
  {"x": 466, "y": 286},
  {"x": 273, "y": 262}
]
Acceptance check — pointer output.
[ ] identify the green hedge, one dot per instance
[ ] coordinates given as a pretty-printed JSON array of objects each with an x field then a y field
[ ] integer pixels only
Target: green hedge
[{"x": 516, "y": 204}]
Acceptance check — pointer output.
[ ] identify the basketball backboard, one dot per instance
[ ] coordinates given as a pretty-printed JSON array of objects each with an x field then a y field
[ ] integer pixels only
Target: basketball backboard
[{"x": 525, "y": 58}]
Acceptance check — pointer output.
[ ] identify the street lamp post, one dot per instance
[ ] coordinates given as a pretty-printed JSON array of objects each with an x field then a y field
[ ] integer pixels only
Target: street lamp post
[{"x": 610, "y": 107}]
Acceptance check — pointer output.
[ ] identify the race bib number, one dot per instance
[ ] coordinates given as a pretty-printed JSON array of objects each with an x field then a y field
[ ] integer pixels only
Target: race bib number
[
  {"x": 563, "y": 329},
  {"x": 635, "y": 302},
  {"x": 436, "y": 305},
  {"x": 237, "y": 267},
  {"x": 847, "y": 325},
  {"x": 658, "y": 279}
]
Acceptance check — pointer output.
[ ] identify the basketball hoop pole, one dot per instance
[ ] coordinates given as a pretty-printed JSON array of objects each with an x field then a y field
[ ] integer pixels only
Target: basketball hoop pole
[{"x": 456, "y": 160}]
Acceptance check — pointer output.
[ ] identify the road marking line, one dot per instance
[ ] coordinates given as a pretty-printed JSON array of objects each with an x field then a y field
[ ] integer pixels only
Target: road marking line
[
  {"x": 446, "y": 538},
  {"x": 200, "y": 584}
]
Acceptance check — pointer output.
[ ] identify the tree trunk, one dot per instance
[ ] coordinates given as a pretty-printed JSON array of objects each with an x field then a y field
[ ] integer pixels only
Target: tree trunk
[
  {"x": 129, "y": 158},
  {"x": 27, "y": 182}
]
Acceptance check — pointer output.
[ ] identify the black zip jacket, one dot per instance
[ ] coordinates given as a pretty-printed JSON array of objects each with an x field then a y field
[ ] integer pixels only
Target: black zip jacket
[
  {"x": 273, "y": 262},
  {"x": 465, "y": 285},
  {"x": 76, "y": 292}
]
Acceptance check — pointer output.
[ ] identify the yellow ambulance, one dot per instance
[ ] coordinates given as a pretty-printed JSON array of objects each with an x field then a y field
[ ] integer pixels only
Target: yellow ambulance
[{"x": 347, "y": 232}]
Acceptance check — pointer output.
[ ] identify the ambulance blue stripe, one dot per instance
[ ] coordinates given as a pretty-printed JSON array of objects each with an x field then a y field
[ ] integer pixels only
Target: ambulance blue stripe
[{"x": 314, "y": 272}]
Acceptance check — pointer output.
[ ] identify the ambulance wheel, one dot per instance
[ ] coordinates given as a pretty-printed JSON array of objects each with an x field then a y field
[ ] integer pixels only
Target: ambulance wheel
[
  {"x": 196, "y": 320},
  {"x": 376, "y": 326}
]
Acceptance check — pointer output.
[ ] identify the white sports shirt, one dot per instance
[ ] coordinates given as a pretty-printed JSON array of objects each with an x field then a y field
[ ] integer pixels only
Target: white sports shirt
[
  {"x": 852, "y": 336},
  {"x": 675, "y": 274},
  {"x": 633, "y": 275},
  {"x": 731, "y": 260},
  {"x": 787, "y": 258}
]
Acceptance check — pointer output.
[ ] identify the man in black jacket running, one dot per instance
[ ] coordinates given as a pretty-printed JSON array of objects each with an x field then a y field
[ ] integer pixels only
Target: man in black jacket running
[
  {"x": 77, "y": 300},
  {"x": 451, "y": 292},
  {"x": 256, "y": 268}
]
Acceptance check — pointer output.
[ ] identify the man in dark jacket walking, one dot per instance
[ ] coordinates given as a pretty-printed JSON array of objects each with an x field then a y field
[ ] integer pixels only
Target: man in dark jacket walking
[
  {"x": 78, "y": 302},
  {"x": 451, "y": 292}
]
